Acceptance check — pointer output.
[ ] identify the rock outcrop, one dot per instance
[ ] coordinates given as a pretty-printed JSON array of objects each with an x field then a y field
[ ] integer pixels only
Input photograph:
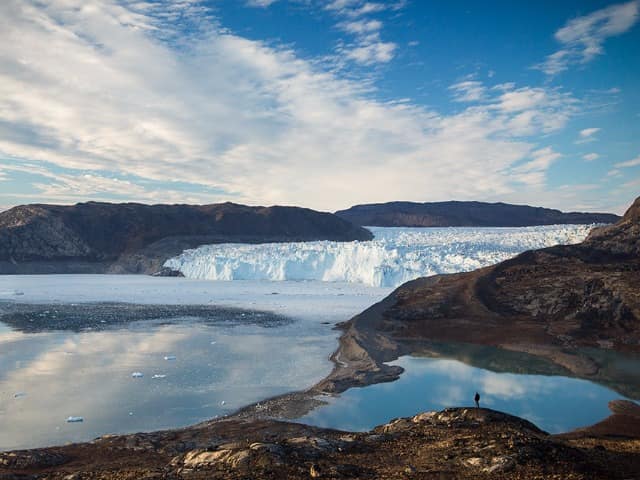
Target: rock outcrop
[
  {"x": 452, "y": 443},
  {"x": 464, "y": 214},
  {"x": 560, "y": 304},
  {"x": 134, "y": 238}
]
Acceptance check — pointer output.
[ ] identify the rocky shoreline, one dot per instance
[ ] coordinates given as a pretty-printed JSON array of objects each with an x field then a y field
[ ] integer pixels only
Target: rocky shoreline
[{"x": 453, "y": 443}]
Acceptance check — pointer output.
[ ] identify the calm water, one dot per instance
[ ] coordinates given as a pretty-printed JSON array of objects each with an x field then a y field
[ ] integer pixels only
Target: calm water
[
  {"x": 553, "y": 403},
  {"x": 60, "y": 359},
  {"x": 200, "y": 372}
]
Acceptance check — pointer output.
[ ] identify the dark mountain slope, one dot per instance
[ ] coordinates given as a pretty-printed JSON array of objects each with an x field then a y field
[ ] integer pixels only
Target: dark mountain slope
[
  {"x": 130, "y": 237},
  {"x": 570, "y": 305},
  {"x": 464, "y": 214}
]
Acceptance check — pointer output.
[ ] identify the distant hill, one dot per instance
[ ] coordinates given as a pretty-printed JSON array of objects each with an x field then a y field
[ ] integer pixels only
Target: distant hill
[
  {"x": 135, "y": 238},
  {"x": 464, "y": 214}
]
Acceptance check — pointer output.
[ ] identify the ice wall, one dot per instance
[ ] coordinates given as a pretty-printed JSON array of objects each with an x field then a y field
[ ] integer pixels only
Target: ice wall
[{"x": 395, "y": 256}]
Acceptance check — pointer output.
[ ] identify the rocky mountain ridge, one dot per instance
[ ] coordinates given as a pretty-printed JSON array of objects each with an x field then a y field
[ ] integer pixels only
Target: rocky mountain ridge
[
  {"x": 464, "y": 214},
  {"x": 99, "y": 237}
]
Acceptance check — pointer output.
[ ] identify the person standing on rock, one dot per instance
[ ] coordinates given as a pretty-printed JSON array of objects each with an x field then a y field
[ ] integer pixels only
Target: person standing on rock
[{"x": 477, "y": 399}]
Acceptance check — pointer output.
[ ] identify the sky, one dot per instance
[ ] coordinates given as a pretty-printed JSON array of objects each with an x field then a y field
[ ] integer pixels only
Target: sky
[{"x": 320, "y": 104}]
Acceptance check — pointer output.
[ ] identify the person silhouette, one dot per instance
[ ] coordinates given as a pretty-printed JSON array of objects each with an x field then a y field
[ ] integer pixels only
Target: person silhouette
[{"x": 477, "y": 399}]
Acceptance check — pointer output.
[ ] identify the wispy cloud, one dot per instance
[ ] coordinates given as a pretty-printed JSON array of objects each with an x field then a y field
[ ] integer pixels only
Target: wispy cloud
[
  {"x": 583, "y": 37},
  {"x": 590, "y": 157},
  {"x": 589, "y": 132},
  {"x": 107, "y": 92},
  {"x": 631, "y": 163},
  {"x": 468, "y": 91},
  {"x": 368, "y": 48},
  {"x": 587, "y": 135},
  {"x": 261, "y": 3},
  {"x": 533, "y": 172}
]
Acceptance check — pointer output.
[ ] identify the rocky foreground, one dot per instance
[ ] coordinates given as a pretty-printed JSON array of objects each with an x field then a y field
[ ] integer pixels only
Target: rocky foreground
[
  {"x": 453, "y": 443},
  {"x": 98, "y": 237}
]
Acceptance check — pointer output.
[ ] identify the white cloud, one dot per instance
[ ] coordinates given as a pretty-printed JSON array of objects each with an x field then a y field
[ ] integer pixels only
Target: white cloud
[
  {"x": 533, "y": 172},
  {"x": 534, "y": 109},
  {"x": 589, "y": 132},
  {"x": 590, "y": 157},
  {"x": 362, "y": 26},
  {"x": 631, "y": 163},
  {"x": 85, "y": 90},
  {"x": 261, "y": 3},
  {"x": 368, "y": 48},
  {"x": 582, "y": 38},
  {"x": 468, "y": 91},
  {"x": 371, "y": 53},
  {"x": 587, "y": 135}
]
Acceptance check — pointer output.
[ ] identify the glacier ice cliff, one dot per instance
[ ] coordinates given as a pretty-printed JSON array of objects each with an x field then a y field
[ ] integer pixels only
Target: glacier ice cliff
[{"x": 396, "y": 255}]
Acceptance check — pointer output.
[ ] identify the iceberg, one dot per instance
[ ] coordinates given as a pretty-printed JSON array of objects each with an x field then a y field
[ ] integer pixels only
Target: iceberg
[
  {"x": 394, "y": 256},
  {"x": 137, "y": 375},
  {"x": 75, "y": 419}
]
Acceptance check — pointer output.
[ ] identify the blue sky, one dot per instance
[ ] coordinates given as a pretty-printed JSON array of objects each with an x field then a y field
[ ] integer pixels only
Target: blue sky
[{"x": 322, "y": 104}]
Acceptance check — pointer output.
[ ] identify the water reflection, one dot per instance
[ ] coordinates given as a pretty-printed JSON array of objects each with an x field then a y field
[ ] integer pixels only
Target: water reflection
[
  {"x": 216, "y": 370},
  {"x": 554, "y": 403}
]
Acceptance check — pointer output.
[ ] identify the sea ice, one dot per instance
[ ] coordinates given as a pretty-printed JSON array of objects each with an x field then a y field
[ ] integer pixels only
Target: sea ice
[
  {"x": 395, "y": 256},
  {"x": 75, "y": 419},
  {"x": 137, "y": 374}
]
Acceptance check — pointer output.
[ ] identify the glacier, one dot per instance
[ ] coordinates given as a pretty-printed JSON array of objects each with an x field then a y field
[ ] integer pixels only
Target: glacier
[{"x": 396, "y": 255}]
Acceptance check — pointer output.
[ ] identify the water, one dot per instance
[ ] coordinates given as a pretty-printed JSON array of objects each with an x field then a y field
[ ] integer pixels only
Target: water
[
  {"x": 67, "y": 362},
  {"x": 554, "y": 403},
  {"x": 92, "y": 375},
  {"x": 395, "y": 256}
]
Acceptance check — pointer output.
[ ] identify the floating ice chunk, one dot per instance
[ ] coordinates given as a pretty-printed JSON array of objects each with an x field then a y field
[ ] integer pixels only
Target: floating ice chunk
[
  {"x": 131, "y": 414},
  {"x": 222, "y": 402},
  {"x": 18, "y": 293},
  {"x": 169, "y": 357},
  {"x": 19, "y": 395},
  {"x": 137, "y": 374},
  {"x": 75, "y": 419},
  {"x": 159, "y": 375},
  {"x": 213, "y": 342}
]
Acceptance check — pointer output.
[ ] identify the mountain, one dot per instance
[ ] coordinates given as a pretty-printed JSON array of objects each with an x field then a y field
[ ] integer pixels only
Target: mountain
[
  {"x": 98, "y": 237},
  {"x": 570, "y": 305},
  {"x": 464, "y": 214}
]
